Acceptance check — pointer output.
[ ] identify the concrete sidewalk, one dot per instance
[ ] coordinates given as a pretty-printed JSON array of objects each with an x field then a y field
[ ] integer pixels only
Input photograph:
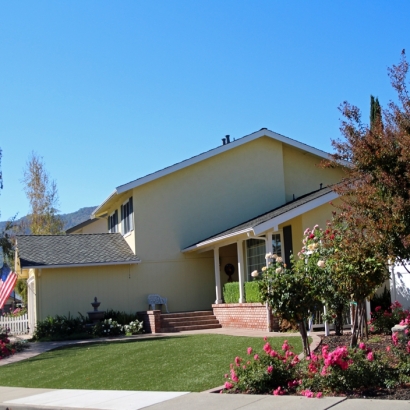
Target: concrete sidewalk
[{"x": 13, "y": 398}]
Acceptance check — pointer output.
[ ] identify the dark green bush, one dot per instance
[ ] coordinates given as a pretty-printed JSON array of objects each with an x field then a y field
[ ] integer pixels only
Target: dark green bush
[
  {"x": 231, "y": 292},
  {"x": 383, "y": 300},
  {"x": 60, "y": 328},
  {"x": 121, "y": 317},
  {"x": 252, "y": 294}
]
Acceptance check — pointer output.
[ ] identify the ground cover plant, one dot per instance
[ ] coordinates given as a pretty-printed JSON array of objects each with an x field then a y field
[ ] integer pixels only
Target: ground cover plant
[{"x": 182, "y": 363}]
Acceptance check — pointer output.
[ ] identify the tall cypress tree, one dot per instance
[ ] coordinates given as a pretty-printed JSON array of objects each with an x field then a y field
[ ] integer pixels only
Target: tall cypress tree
[{"x": 375, "y": 111}]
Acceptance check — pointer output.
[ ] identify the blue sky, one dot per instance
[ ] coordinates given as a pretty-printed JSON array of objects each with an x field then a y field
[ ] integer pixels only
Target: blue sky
[{"x": 107, "y": 91}]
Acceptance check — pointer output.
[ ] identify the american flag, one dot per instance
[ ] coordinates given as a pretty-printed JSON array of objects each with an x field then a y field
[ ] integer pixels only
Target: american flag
[{"x": 8, "y": 280}]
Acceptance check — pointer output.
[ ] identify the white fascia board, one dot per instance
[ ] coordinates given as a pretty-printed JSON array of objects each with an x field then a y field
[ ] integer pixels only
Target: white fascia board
[
  {"x": 223, "y": 148},
  {"x": 93, "y": 215},
  {"x": 214, "y": 240},
  {"x": 80, "y": 265},
  {"x": 293, "y": 213}
]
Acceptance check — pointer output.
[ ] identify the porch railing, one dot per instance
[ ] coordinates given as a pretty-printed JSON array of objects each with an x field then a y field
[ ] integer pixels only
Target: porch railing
[
  {"x": 317, "y": 321},
  {"x": 15, "y": 325}
]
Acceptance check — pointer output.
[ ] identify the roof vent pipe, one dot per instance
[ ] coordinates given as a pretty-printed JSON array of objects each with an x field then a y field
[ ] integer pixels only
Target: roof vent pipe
[
  {"x": 224, "y": 141},
  {"x": 228, "y": 140}
]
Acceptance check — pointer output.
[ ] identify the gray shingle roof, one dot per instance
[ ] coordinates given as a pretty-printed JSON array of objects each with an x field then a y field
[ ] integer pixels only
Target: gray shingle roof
[
  {"x": 252, "y": 223},
  {"x": 81, "y": 249}
]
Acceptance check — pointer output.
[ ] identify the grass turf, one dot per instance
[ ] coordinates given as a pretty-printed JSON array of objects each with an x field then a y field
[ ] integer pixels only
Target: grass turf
[{"x": 184, "y": 363}]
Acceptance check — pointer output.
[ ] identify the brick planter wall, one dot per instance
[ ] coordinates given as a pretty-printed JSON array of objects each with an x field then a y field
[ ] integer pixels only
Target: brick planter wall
[
  {"x": 151, "y": 320},
  {"x": 244, "y": 316}
]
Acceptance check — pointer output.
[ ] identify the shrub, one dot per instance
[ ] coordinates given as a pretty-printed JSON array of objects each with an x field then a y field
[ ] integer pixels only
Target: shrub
[
  {"x": 108, "y": 327},
  {"x": 133, "y": 328},
  {"x": 121, "y": 317},
  {"x": 252, "y": 294},
  {"x": 8, "y": 348},
  {"x": 383, "y": 300},
  {"x": 60, "y": 328},
  {"x": 231, "y": 292},
  {"x": 266, "y": 372},
  {"x": 344, "y": 370},
  {"x": 383, "y": 320},
  {"x": 341, "y": 370}
]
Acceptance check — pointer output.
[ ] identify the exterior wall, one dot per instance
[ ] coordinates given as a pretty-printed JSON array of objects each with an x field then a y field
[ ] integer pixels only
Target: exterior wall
[
  {"x": 189, "y": 205},
  {"x": 318, "y": 216},
  {"x": 303, "y": 173},
  {"x": 179, "y": 209},
  {"x": 244, "y": 316},
  {"x": 97, "y": 226},
  {"x": 71, "y": 290}
]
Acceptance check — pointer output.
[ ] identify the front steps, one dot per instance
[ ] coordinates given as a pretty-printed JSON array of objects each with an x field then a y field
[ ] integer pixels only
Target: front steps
[{"x": 178, "y": 322}]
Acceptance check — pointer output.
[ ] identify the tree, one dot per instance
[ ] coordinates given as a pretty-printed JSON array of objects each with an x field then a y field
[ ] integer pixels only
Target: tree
[
  {"x": 375, "y": 110},
  {"x": 376, "y": 190},
  {"x": 289, "y": 293},
  {"x": 43, "y": 197},
  {"x": 355, "y": 267}
]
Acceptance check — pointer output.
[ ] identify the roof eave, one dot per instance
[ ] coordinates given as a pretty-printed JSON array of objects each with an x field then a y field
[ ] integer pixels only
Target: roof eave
[
  {"x": 271, "y": 224},
  {"x": 214, "y": 240},
  {"x": 223, "y": 148},
  {"x": 97, "y": 211},
  {"x": 77, "y": 265},
  {"x": 293, "y": 213}
]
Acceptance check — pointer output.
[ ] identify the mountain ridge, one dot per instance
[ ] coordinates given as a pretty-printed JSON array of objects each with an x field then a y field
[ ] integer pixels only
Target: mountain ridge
[{"x": 71, "y": 219}]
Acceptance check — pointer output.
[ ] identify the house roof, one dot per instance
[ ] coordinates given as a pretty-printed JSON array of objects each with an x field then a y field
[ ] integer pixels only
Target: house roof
[
  {"x": 271, "y": 219},
  {"x": 264, "y": 132},
  {"x": 48, "y": 251}
]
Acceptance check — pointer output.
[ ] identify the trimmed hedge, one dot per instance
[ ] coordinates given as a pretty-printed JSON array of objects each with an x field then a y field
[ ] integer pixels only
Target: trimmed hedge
[
  {"x": 231, "y": 292},
  {"x": 252, "y": 294}
]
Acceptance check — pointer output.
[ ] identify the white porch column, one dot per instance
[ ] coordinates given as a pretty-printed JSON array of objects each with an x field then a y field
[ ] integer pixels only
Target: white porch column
[
  {"x": 268, "y": 249},
  {"x": 368, "y": 310},
  {"x": 217, "y": 277},
  {"x": 241, "y": 271},
  {"x": 326, "y": 324},
  {"x": 31, "y": 304}
]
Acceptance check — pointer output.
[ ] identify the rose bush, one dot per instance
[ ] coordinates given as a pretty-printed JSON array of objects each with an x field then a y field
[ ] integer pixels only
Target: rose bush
[{"x": 327, "y": 372}]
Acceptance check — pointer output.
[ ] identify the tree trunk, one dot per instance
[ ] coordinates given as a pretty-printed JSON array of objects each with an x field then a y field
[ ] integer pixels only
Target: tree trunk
[
  {"x": 358, "y": 324},
  {"x": 353, "y": 339},
  {"x": 305, "y": 341},
  {"x": 339, "y": 322}
]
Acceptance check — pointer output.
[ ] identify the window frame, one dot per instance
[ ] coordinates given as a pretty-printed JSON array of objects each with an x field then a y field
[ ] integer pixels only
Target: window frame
[
  {"x": 127, "y": 217},
  {"x": 113, "y": 222}
]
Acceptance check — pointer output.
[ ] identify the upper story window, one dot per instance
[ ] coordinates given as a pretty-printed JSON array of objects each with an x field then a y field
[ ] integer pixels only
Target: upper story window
[
  {"x": 127, "y": 222},
  {"x": 113, "y": 222}
]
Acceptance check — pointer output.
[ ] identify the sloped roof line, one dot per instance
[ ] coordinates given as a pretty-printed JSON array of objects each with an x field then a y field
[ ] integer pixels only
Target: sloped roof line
[
  {"x": 264, "y": 132},
  {"x": 252, "y": 224}
]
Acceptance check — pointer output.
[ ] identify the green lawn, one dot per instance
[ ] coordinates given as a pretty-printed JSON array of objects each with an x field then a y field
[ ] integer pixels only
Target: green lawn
[{"x": 184, "y": 363}]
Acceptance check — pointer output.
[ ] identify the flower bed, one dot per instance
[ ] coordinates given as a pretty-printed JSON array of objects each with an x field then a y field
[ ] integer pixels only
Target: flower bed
[{"x": 380, "y": 369}]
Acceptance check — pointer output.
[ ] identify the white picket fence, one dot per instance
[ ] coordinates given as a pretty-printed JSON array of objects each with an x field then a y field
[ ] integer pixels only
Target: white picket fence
[{"x": 17, "y": 325}]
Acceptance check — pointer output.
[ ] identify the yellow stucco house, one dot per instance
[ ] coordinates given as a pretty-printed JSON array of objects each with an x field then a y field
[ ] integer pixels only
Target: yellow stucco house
[{"x": 180, "y": 229}]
